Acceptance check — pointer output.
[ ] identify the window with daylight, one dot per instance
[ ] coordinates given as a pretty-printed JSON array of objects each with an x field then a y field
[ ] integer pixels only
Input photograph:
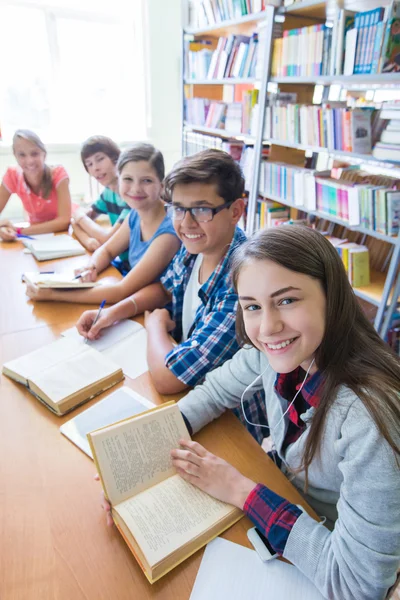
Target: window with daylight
[{"x": 69, "y": 72}]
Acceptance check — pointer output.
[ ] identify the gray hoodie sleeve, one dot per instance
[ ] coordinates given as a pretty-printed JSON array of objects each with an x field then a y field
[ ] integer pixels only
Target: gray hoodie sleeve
[
  {"x": 222, "y": 388},
  {"x": 359, "y": 558}
]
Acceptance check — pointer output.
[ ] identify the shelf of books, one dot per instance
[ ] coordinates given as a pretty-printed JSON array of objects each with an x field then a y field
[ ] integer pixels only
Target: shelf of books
[{"x": 307, "y": 99}]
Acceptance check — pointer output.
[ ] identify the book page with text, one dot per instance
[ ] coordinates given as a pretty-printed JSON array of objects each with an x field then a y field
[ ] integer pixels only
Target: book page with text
[
  {"x": 83, "y": 369},
  {"x": 36, "y": 362},
  {"x": 169, "y": 515},
  {"x": 135, "y": 454}
]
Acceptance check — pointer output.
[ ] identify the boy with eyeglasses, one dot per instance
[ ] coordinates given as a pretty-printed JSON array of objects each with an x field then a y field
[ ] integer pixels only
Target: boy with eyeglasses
[{"x": 194, "y": 301}]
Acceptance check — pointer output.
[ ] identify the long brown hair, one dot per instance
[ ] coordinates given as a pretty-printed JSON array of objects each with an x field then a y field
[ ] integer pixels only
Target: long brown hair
[
  {"x": 351, "y": 352},
  {"x": 47, "y": 180}
]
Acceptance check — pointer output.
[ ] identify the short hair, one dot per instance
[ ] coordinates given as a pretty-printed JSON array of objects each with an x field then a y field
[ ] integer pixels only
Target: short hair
[
  {"x": 209, "y": 166},
  {"x": 99, "y": 143},
  {"x": 146, "y": 152}
]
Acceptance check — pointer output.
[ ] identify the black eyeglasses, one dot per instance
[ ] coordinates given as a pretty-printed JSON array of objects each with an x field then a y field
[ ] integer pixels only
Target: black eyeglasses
[{"x": 201, "y": 214}]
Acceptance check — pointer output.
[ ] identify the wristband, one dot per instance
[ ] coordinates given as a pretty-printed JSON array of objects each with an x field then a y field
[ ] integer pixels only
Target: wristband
[{"x": 134, "y": 304}]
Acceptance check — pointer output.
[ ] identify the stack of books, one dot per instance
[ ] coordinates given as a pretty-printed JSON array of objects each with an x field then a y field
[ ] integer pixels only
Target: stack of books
[{"x": 388, "y": 147}]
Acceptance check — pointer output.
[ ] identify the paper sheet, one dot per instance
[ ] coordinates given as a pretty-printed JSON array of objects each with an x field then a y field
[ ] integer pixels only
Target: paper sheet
[
  {"x": 232, "y": 572},
  {"x": 121, "y": 404},
  {"x": 109, "y": 336},
  {"x": 124, "y": 343}
]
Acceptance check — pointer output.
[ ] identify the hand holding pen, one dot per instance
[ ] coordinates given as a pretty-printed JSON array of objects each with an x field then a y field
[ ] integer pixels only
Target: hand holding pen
[
  {"x": 93, "y": 323},
  {"x": 86, "y": 274}
]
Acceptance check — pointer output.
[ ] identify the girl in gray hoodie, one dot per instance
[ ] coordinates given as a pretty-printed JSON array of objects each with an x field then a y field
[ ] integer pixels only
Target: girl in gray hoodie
[{"x": 331, "y": 392}]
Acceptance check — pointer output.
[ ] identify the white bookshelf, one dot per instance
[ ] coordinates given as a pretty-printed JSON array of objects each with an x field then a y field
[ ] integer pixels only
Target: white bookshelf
[{"x": 382, "y": 285}]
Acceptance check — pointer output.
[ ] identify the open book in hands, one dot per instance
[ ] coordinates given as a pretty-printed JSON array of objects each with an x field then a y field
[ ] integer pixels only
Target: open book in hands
[{"x": 163, "y": 518}]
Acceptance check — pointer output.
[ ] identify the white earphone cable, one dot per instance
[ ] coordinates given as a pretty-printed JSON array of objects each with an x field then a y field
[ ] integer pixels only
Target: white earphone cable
[{"x": 288, "y": 408}]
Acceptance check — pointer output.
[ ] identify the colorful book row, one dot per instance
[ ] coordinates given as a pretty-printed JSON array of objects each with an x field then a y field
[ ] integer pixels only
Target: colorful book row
[
  {"x": 204, "y": 13},
  {"x": 234, "y": 57},
  {"x": 302, "y": 52},
  {"x": 355, "y": 198},
  {"x": 329, "y": 126}
]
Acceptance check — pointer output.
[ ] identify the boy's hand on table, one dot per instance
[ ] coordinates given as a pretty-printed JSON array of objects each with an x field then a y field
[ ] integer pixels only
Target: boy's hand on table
[
  {"x": 159, "y": 319},
  {"x": 211, "y": 474}
]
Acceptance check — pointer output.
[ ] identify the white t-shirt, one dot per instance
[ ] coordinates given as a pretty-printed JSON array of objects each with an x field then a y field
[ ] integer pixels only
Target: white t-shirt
[{"x": 191, "y": 298}]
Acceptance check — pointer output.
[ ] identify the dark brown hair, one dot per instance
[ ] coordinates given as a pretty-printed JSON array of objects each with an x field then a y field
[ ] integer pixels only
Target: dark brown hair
[
  {"x": 47, "y": 179},
  {"x": 208, "y": 166},
  {"x": 146, "y": 152},
  {"x": 99, "y": 143},
  {"x": 351, "y": 352}
]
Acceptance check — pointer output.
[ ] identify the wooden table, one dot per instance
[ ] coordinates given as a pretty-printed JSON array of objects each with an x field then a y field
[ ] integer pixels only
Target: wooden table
[{"x": 54, "y": 542}]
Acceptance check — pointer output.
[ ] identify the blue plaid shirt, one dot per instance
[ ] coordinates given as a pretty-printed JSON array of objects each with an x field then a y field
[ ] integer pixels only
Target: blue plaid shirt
[{"x": 211, "y": 340}]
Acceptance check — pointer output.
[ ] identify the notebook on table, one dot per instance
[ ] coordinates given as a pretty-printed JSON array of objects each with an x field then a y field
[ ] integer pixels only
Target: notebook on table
[
  {"x": 64, "y": 280},
  {"x": 57, "y": 246},
  {"x": 64, "y": 374}
]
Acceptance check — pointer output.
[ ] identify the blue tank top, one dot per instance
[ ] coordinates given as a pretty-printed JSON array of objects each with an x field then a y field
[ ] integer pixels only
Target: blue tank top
[{"x": 138, "y": 247}]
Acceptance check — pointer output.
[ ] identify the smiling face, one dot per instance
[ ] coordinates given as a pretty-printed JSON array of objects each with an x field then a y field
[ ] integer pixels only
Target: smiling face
[
  {"x": 283, "y": 313},
  {"x": 30, "y": 157},
  {"x": 210, "y": 237},
  {"x": 139, "y": 185},
  {"x": 101, "y": 167}
]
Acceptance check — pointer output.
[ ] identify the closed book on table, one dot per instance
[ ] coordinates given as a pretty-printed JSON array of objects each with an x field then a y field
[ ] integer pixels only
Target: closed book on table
[
  {"x": 64, "y": 374},
  {"x": 163, "y": 518},
  {"x": 58, "y": 246},
  {"x": 65, "y": 280}
]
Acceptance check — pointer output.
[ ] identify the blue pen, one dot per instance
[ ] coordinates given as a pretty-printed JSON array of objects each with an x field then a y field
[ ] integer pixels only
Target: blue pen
[
  {"x": 28, "y": 237},
  {"x": 97, "y": 317}
]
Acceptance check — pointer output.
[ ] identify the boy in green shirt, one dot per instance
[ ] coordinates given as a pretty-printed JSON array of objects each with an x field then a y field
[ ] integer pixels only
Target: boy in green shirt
[{"x": 99, "y": 156}]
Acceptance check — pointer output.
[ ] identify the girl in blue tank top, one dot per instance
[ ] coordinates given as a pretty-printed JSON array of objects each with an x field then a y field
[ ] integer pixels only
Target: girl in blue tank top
[{"x": 147, "y": 231}]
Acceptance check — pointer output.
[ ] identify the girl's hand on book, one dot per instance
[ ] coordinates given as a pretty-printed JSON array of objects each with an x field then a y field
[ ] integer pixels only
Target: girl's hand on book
[
  {"x": 85, "y": 325},
  {"x": 211, "y": 474},
  {"x": 89, "y": 273},
  {"x": 105, "y": 505},
  {"x": 37, "y": 294}
]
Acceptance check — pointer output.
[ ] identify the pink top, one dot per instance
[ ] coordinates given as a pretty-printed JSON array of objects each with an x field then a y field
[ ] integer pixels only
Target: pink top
[{"x": 39, "y": 209}]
